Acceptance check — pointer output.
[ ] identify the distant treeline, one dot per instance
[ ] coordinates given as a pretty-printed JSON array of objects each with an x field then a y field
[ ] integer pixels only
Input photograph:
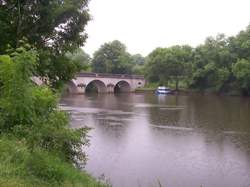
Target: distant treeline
[{"x": 221, "y": 64}]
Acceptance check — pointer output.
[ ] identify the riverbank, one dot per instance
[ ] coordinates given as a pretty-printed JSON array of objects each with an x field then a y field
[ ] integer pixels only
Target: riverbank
[
  {"x": 187, "y": 91},
  {"x": 22, "y": 168}
]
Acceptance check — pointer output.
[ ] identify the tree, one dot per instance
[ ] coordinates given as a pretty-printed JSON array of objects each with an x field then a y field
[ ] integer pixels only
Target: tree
[
  {"x": 80, "y": 57},
  {"x": 138, "y": 62},
  {"x": 220, "y": 64},
  {"x": 241, "y": 71},
  {"x": 138, "y": 59},
  {"x": 53, "y": 27},
  {"x": 112, "y": 58},
  {"x": 212, "y": 64},
  {"x": 240, "y": 44},
  {"x": 155, "y": 67},
  {"x": 179, "y": 64},
  {"x": 169, "y": 64}
]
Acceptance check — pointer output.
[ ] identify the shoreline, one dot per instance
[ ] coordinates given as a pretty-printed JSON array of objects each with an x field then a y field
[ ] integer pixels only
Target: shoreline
[{"x": 191, "y": 92}]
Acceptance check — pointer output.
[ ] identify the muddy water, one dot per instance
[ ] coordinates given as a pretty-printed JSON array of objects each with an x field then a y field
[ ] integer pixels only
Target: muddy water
[{"x": 177, "y": 141}]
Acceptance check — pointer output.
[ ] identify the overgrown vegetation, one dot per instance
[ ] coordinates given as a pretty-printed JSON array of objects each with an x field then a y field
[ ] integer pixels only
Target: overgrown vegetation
[
  {"x": 37, "y": 146},
  {"x": 40, "y": 38},
  {"x": 23, "y": 168}
]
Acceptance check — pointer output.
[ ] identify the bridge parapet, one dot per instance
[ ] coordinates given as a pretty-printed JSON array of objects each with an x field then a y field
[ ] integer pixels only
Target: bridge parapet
[{"x": 108, "y": 75}]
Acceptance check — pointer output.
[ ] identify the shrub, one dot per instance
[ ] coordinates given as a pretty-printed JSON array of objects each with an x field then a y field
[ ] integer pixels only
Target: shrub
[{"x": 30, "y": 112}]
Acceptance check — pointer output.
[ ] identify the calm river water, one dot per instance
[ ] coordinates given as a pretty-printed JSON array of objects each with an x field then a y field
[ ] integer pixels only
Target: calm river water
[{"x": 179, "y": 141}]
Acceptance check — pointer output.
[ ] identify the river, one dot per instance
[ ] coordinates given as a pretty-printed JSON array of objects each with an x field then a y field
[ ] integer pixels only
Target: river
[{"x": 170, "y": 141}]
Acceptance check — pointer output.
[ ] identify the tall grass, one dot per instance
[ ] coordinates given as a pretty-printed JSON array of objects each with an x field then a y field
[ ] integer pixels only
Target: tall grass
[{"x": 20, "y": 167}]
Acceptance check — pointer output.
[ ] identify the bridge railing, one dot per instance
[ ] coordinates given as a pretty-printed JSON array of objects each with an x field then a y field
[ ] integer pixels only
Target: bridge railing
[{"x": 108, "y": 75}]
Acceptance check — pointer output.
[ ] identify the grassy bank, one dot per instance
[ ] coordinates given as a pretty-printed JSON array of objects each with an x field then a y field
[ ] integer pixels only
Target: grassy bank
[
  {"x": 149, "y": 87},
  {"x": 22, "y": 168},
  {"x": 152, "y": 87}
]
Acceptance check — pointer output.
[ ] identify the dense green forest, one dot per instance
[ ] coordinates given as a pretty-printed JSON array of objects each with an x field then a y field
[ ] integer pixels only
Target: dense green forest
[{"x": 221, "y": 64}]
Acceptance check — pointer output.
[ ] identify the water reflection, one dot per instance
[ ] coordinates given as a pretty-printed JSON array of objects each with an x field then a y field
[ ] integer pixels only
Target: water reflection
[{"x": 179, "y": 140}]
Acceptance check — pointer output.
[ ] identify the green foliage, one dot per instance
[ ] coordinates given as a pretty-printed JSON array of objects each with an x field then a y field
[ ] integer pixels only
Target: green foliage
[
  {"x": 58, "y": 68},
  {"x": 240, "y": 44},
  {"x": 155, "y": 70},
  {"x": 53, "y": 27},
  {"x": 169, "y": 64},
  {"x": 20, "y": 167},
  {"x": 15, "y": 103},
  {"x": 30, "y": 115},
  {"x": 38, "y": 148},
  {"x": 80, "y": 57},
  {"x": 47, "y": 167},
  {"x": 138, "y": 59},
  {"x": 138, "y": 62},
  {"x": 47, "y": 24},
  {"x": 241, "y": 71},
  {"x": 112, "y": 58},
  {"x": 212, "y": 66}
]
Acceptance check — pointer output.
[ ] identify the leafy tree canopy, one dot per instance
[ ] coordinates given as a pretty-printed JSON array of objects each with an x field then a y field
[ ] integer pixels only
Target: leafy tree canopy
[
  {"x": 80, "y": 57},
  {"x": 169, "y": 64},
  {"x": 53, "y": 27},
  {"x": 112, "y": 58},
  {"x": 242, "y": 72},
  {"x": 220, "y": 64},
  {"x": 138, "y": 62},
  {"x": 212, "y": 63}
]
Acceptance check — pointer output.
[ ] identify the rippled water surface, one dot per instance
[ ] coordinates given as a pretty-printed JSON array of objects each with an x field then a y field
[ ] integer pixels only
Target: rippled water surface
[{"x": 179, "y": 141}]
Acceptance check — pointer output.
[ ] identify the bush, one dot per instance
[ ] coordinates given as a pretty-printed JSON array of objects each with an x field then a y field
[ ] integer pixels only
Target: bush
[
  {"x": 35, "y": 139},
  {"x": 47, "y": 167},
  {"x": 31, "y": 112}
]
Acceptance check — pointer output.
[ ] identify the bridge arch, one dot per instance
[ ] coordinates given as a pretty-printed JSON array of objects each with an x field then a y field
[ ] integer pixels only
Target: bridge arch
[
  {"x": 96, "y": 86},
  {"x": 122, "y": 87},
  {"x": 71, "y": 87}
]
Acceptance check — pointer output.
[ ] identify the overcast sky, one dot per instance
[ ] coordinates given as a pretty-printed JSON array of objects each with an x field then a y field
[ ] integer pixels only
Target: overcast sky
[{"x": 143, "y": 25}]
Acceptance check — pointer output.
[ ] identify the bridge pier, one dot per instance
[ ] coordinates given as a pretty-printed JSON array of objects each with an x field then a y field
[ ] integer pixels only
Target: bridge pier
[
  {"x": 110, "y": 88},
  {"x": 81, "y": 90}
]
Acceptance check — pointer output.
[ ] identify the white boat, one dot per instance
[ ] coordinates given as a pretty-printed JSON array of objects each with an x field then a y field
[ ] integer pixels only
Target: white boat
[{"x": 163, "y": 90}]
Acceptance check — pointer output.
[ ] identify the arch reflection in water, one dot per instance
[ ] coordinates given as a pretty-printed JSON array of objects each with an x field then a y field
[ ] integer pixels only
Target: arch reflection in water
[
  {"x": 96, "y": 86},
  {"x": 122, "y": 87}
]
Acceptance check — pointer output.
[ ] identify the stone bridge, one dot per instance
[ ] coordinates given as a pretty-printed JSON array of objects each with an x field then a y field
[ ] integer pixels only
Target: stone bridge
[{"x": 104, "y": 83}]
